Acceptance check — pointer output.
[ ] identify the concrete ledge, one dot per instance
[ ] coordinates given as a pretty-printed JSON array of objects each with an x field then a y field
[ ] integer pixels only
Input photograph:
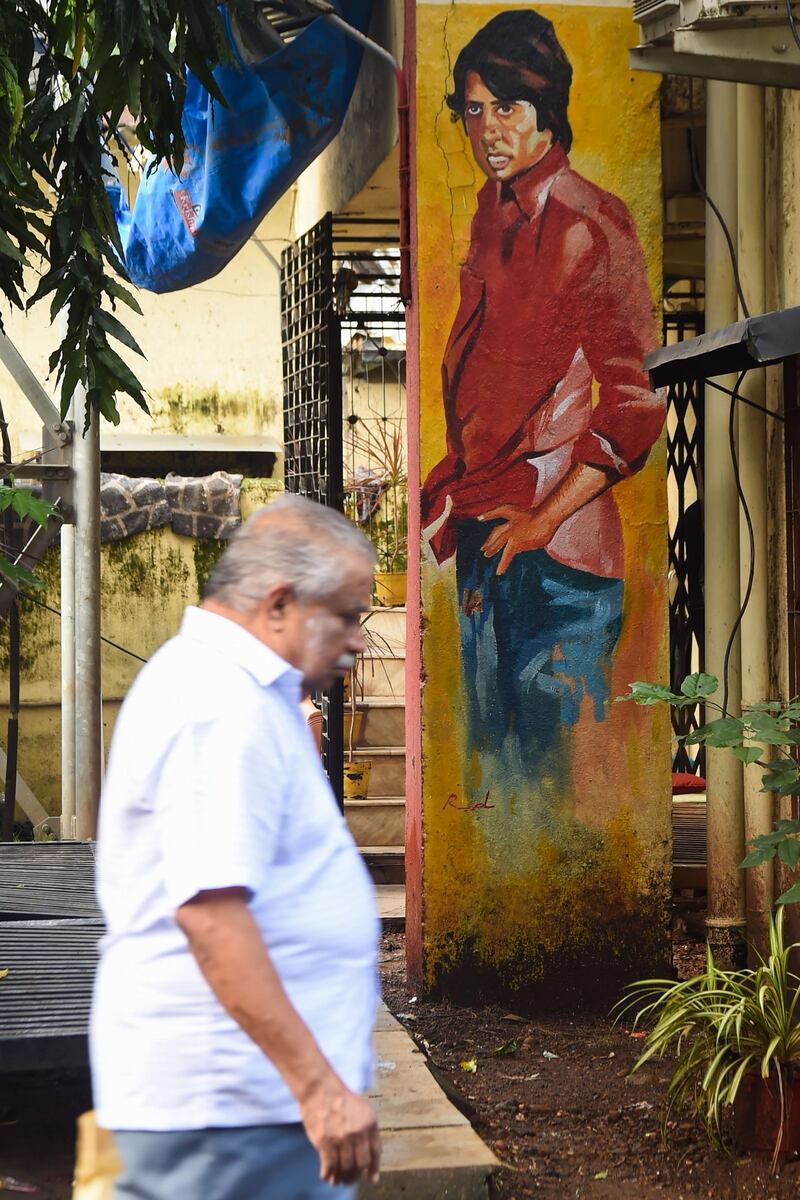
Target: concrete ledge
[{"x": 430, "y": 1150}]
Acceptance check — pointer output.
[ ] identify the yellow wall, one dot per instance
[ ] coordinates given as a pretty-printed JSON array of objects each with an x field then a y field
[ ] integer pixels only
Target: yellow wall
[
  {"x": 560, "y": 887},
  {"x": 146, "y": 582}
]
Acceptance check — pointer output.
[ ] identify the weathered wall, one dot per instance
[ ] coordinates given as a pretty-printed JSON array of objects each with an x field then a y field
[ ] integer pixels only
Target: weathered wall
[
  {"x": 545, "y": 807},
  {"x": 146, "y": 582},
  {"x": 367, "y": 136}
]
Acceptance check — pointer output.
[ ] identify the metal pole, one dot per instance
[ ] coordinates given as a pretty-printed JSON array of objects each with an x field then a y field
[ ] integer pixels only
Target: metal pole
[
  {"x": 67, "y": 682},
  {"x": 88, "y": 710},
  {"x": 758, "y": 805},
  {"x": 724, "y": 812}
]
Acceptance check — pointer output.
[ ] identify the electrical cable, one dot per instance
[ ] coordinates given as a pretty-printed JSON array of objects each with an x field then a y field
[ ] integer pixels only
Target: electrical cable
[
  {"x": 701, "y": 187},
  {"x": 35, "y": 600},
  {"x": 768, "y": 412},
  {"x": 792, "y": 23},
  {"x": 751, "y": 539}
]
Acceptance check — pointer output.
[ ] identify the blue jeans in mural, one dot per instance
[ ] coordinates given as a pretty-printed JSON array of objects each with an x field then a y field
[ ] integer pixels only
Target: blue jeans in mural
[{"x": 534, "y": 642}]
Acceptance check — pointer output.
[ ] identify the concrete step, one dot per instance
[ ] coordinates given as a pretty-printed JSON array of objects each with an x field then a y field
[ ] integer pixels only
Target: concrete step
[
  {"x": 381, "y": 675},
  {"x": 386, "y": 628},
  {"x": 386, "y": 864},
  {"x": 430, "y": 1151},
  {"x": 387, "y": 775},
  {"x": 377, "y": 821},
  {"x": 384, "y": 721},
  {"x": 391, "y": 899}
]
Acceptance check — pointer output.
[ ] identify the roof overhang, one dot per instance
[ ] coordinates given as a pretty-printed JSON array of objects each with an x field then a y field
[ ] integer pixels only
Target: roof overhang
[
  {"x": 757, "y": 342},
  {"x": 764, "y": 55}
]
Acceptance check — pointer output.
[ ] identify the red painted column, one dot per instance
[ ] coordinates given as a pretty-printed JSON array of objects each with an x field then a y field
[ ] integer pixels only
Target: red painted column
[{"x": 414, "y": 837}]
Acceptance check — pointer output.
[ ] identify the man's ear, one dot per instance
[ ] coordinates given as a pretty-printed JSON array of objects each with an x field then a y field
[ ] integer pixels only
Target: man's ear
[{"x": 276, "y": 604}]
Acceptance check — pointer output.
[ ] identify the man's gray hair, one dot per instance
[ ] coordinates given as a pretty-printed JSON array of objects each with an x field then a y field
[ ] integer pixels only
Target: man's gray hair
[{"x": 292, "y": 541}]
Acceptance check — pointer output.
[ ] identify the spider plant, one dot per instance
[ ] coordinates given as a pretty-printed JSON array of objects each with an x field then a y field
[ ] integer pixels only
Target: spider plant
[
  {"x": 722, "y": 1026},
  {"x": 377, "y": 493}
]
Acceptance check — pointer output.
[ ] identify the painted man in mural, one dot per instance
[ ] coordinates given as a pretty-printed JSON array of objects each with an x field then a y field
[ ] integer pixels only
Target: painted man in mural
[{"x": 546, "y": 403}]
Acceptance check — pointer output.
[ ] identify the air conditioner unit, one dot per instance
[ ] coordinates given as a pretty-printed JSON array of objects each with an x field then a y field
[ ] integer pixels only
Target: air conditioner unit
[{"x": 718, "y": 39}]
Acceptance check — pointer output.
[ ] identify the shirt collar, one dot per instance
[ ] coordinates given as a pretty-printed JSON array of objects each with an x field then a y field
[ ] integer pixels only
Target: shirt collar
[
  {"x": 529, "y": 189},
  {"x": 236, "y": 643}
]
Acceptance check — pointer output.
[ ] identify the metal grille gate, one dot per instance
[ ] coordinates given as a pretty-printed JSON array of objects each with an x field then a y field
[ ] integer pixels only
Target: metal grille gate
[
  {"x": 684, "y": 482},
  {"x": 312, "y": 413}
]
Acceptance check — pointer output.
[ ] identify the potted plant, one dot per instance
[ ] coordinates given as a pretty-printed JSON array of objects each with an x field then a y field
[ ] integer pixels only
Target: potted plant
[
  {"x": 736, "y": 1036},
  {"x": 357, "y": 771},
  {"x": 377, "y": 499}
]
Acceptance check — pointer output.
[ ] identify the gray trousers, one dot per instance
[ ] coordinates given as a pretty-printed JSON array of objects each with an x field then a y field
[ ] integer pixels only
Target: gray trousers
[{"x": 264, "y": 1162}]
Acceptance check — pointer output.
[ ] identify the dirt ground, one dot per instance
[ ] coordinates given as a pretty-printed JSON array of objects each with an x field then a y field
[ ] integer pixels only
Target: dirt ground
[
  {"x": 562, "y": 1112},
  {"x": 37, "y": 1131}
]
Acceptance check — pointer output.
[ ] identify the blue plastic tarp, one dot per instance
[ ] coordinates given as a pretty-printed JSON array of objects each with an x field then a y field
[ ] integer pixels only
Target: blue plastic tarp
[{"x": 240, "y": 160}]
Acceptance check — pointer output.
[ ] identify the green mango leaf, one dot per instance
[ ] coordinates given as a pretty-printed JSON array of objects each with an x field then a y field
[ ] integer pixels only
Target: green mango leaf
[
  {"x": 650, "y": 693},
  {"x": 18, "y": 575},
  {"x": 724, "y": 732},
  {"x": 791, "y": 896},
  {"x": 699, "y": 686},
  {"x": 789, "y": 852},
  {"x": 747, "y": 754}
]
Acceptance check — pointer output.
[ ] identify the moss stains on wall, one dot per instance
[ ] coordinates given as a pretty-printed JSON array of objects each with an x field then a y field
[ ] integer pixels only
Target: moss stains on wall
[
  {"x": 219, "y": 410},
  {"x": 146, "y": 583},
  {"x": 206, "y": 557}
]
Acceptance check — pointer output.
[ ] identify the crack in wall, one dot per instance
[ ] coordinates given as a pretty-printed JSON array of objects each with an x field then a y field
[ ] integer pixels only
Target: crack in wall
[{"x": 443, "y": 114}]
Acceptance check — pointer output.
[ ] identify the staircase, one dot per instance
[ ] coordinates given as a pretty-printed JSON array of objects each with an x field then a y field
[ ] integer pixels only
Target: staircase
[{"x": 378, "y": 823}]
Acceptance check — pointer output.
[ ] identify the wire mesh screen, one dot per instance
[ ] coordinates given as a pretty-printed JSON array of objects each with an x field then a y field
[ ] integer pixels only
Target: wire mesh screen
[
  {"x": 686, "y": 552},
  {"x": 372, "y": 324},
  {"x": 312, "y": 413}
]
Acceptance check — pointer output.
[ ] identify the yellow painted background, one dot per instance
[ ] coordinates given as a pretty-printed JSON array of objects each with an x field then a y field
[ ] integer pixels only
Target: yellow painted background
[{"x": 573, "y": 881}]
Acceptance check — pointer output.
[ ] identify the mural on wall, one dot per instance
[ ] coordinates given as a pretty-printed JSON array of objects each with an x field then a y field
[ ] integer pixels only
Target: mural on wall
[{"x": 545, "y": 411}]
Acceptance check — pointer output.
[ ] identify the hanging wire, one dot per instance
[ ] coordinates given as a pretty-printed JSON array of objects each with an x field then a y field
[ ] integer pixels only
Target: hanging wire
[
  {"x": 701, "y": 187},
  {"x": 751, "y": 540},
  {"x": 792, "y": 23},
  {"x": 124, "y": 649}
]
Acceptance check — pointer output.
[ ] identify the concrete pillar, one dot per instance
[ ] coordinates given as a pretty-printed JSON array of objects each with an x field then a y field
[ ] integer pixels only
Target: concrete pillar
[
  {"x": 758, "y": 805},
  {"x": 88, "y": 703},
  {"x": 783, "y": 169},
  {"x": 726, "y": 907}
]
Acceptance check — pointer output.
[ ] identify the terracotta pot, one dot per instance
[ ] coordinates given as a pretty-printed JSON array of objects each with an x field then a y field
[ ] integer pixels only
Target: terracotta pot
[
  {"x": 757, "y": 1113},
  {"x": 356, "y": 779},
  {"x": 390, "y": 588}
]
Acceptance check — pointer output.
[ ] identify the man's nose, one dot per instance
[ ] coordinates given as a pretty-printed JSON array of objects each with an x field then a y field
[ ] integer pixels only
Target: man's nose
[
  {"x": 490, "y": 127},
  {"x": 358, "y": 642}
]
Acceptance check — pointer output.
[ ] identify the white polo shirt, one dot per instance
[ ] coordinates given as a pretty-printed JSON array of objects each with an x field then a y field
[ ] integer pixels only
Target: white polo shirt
[{"x": 214, "y": 782}]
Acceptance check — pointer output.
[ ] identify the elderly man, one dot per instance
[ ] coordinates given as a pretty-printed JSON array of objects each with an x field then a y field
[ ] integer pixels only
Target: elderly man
[{"x": 234, "y": 1003}]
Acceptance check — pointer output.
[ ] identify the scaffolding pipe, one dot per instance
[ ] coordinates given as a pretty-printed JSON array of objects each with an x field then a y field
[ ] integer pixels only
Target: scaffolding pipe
[
  {"x": 724, "y": 810},
  {"x": 758, "y": 805},
  {"x": 88, "y": 705}
]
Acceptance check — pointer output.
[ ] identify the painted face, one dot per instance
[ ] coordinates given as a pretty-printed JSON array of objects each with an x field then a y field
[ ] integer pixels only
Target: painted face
[
  {"x": 324, "y": 639},
  {"x": 503, "y": 133}
]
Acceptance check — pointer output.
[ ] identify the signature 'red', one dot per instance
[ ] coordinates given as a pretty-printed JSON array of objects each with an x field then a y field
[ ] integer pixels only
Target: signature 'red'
[{"x": 452, "y": 802}]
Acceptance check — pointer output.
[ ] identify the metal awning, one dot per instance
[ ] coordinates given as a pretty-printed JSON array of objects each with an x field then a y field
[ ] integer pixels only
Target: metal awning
[
  {"x": 756, "y": 342},
  {"x": 47, "y": 879},
  {"x": 46, "y": 995}
]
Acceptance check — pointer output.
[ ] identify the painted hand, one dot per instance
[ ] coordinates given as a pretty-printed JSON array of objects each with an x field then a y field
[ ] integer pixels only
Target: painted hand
[{"x": 524, "y": 529}]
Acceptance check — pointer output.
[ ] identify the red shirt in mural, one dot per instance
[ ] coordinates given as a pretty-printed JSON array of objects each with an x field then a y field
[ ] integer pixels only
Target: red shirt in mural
[{"x": 543, "y": 367}]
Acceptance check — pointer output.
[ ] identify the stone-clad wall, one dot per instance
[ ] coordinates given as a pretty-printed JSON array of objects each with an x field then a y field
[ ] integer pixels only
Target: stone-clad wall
[{"x": 205, "y": 507}]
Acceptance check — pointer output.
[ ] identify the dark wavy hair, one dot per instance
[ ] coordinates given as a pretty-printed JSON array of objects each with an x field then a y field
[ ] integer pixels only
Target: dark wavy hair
[{"x": 519, "y": 57}]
